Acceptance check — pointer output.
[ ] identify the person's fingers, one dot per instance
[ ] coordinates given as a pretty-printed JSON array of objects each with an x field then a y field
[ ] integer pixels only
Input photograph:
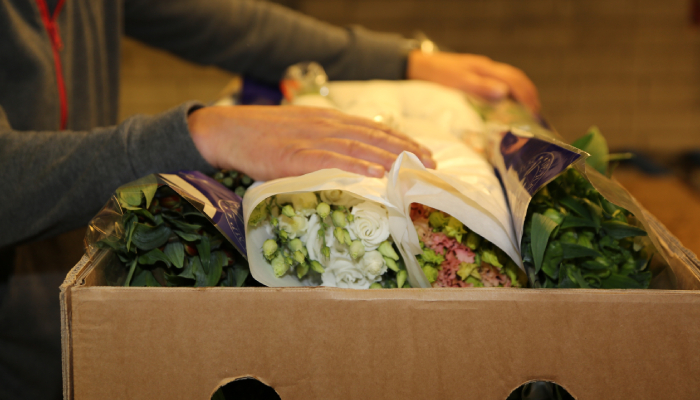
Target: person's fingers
[
  {"x": 483, "y": 86},
  {"x": 357, "y": 149},
  {"x": 381, "y": 140},
  {"x": 347, "y": 119},
  {"x": 310, "y": 160},
  {"x": 521, "y": 87}
]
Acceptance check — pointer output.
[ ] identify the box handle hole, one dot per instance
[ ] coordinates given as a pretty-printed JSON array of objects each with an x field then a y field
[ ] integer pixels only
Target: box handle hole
[
  {"x": 540, "y": 390},
  {"x": 247, "y": 388}
]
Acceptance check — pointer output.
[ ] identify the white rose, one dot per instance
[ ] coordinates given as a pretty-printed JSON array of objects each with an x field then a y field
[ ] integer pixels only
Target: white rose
[
  {"x": 304, "y": 203},
  {"x": 343, "y": 272},
  {"x": 314, "y": 244},
  {"x": 339, "y": 198},
  {"x": 370, "y": 224},
  {"x": 295, "y": 226},
  {"x": 373, "y": 265}
]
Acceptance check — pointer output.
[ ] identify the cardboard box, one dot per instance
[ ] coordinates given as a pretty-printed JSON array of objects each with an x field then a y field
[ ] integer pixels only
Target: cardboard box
[{"x": 319, "y": 343}]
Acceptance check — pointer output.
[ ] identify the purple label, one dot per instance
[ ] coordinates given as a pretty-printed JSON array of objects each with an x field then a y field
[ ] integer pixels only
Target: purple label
[
  {"x": 228, "y": 206},
  {"x": 535, "y": 161}
]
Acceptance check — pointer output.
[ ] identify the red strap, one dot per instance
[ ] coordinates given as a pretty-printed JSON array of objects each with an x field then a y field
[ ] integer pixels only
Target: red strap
[{"x": 56, "y": 45}]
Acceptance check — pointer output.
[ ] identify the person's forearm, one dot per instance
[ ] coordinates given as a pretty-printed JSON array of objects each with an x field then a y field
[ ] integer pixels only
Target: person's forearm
[
  {"x": 56, "y": 181},
  {"x": 262, "y": 39}
]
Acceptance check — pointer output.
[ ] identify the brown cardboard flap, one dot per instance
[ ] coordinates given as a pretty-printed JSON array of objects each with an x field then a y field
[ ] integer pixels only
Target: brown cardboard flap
[{"x": 181, "y": 343}]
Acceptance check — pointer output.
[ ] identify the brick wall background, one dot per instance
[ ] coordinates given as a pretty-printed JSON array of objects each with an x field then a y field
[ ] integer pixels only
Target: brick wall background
[{"x": 632, "y": 67}]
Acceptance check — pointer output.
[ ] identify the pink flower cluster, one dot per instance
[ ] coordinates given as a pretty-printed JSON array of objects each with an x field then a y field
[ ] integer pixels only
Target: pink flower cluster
[{"x": 454, "y": 252}]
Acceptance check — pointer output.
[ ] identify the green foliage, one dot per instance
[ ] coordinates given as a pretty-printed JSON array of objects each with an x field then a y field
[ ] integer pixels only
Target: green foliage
[
  {"x": 164, "y": 241},
  {"x": 593, "y": 247}
]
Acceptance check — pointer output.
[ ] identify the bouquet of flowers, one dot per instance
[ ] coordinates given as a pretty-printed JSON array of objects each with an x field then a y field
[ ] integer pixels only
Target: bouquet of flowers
[
  {"x": 454, "y": 256},
  {"x": 329, "y": 238},
  {"x": 162, "y": 239}
]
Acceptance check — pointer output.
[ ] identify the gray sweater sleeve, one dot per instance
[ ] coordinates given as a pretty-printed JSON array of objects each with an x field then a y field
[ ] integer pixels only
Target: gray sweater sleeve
[
  {"x": 262, "y": 39},
  {"x": 61, "y": 179}
]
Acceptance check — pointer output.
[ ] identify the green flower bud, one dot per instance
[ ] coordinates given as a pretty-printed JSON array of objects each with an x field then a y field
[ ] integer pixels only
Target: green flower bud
[
  {"x": 295, "y": 245},
  {"x": 437, "y": 219},
  {"x": 279, "y": 266},
  {"x": 316, "y": 266},
  {"x": 376, "y": 285},
  {"x": 339, "y": 219},
  {"x": 269, "y": 249},
  {"x": 289, "y": 261},
  {"x": 283, "y": 234},
  {"x": 288, "y": 210},
  {"x": 357, "y": 250},
  {"x": 302, "y": 270},
  {"x": 219, "y": 176},
  {"x": 323, "y": 209},
  {"x": 258, "y": 214},
  {"x": 430, "y": 272},
  {"x": 391, "y": 264},
  {"x": 228, "y": 182},
  {"x": 299, "y": 257},
  {"x": 387, "y": 250},
  {"x": 348, "y": 239},
  {"x": 240, "y": 191},
  {"x": 473, "y": 240},
  {"x": 351, "y": 217},
  {"x": 339, "y": 234},
  {"x": 274, "y": 221},
  {"x": 401, "y": 278},
  {"x": 326, "y": 251},
  {"x": 467, "y": 270},
  {"x": 246, "y": 180}
]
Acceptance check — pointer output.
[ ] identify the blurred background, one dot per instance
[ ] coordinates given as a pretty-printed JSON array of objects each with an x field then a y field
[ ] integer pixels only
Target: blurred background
[{"x": 631, "y": 67}]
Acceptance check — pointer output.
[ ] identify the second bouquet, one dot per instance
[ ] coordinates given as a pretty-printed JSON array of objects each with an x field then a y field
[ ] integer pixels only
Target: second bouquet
[{"x": 328, "y": 228}]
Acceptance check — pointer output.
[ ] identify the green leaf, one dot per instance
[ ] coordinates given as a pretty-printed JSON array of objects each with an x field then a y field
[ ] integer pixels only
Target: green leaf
[
  {"x": 199, "y": 275},
  {"x": 596, "y": 212},
  {"x": 139, "y": 278},
  {"x": 217, "y": 260},
  {"x": 578, "y": 278},
  {"x": 149, "y": 191},
  {"x": 575, "y": 206},
  {"x": 241, "y": 274},
  {"x": 617, "y": 281},
  {"x": 177, "y": 280},
  {"x": 153, "y": 257},
  {"x": 204, "y": 250},
  {"x": 130, "y": 197},
  {"x": 572, "y": 221},
  {"x": 542, "y": 227},
  {"x": 552, "y": 259},
  {"x": 175, "y": 251},
  {"x": 575, "y": 251},
  {"x": 182, "y": 225},
  {"x": 189, "y": 237},
  {"x": 146, "y": 214},
  {"x": 620, "y": 230},
  {"x": 594, "y": 144},
  {"x": 127, "y": 282},
  {"x": 151, "y": 280},
  {"x": 149, "y": 237},
  {"x": 187, "y": 271}
]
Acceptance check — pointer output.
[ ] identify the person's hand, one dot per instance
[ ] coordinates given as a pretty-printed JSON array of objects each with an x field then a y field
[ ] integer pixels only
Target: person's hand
[
  {"x": 474, "y": 74},
  {"x": 267, "y": 142}
]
